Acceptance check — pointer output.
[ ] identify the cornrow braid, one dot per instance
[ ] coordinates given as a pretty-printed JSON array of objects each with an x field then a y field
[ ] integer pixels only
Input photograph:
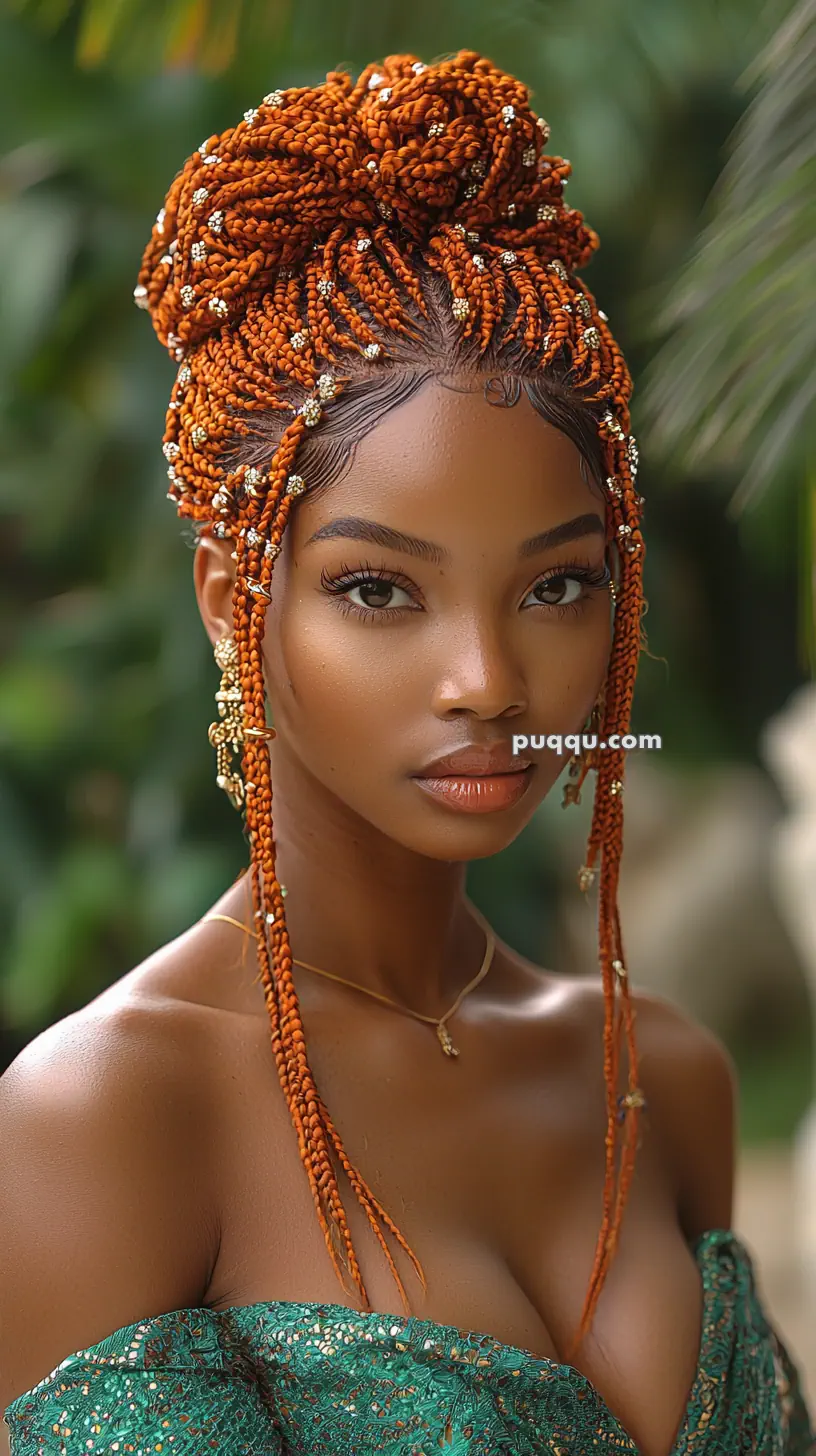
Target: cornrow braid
[{"x": 310, "y": 267}]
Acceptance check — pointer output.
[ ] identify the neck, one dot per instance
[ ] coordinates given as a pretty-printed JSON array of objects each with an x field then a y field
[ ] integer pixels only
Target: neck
[{"x": 367, "y": 909}]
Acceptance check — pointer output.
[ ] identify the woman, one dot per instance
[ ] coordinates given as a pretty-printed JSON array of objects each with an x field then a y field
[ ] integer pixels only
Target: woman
[{"x": 400, "y": 427}]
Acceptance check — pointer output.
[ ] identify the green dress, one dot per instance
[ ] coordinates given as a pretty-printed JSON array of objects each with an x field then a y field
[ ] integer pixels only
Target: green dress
[{"x": 286, "y": 1379}]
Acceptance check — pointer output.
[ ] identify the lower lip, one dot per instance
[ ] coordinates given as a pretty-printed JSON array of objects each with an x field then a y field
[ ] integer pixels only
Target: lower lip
[{"x": 483, "y": 795}]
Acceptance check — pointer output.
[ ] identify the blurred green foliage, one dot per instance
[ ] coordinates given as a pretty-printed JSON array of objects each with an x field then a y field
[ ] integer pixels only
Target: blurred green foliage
[{"x": 113, "y": 836}]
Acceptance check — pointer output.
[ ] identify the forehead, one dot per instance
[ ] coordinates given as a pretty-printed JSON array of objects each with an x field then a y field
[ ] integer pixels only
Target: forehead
[{"x": 446, "y": 457}]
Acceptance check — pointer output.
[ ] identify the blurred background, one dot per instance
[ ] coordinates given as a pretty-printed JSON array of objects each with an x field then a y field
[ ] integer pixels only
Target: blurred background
[{"x": 690, "y": 129}]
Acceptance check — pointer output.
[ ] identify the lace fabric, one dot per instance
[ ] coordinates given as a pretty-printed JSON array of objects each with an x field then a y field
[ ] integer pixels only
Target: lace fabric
[{"x": 289, "y": 1379}]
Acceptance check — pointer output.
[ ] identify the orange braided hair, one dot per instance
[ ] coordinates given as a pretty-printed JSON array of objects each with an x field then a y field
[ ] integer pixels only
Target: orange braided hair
[{"x": 333, "y": 226}]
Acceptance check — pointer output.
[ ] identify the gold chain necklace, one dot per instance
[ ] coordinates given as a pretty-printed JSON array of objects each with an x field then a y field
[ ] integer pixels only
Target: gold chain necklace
[{"x": 438, "y": 1021}]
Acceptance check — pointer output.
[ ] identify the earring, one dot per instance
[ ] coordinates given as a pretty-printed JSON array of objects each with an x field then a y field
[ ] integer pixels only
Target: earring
[
  {"x": 226, "y": 734},
  {"x": 585, "y": 759}
]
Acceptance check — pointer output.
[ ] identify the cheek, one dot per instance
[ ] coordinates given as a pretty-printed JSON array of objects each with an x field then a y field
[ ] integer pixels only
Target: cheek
[
  {"x": 577, "y": 659},
  {"x": 325, "y": 668}
]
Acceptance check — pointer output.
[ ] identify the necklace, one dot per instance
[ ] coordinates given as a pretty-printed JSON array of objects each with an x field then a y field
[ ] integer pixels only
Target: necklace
[{"x": 438, "y": 1021}]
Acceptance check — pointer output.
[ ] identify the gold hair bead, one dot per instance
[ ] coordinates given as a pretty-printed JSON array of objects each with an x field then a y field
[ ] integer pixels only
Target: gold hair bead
[
  {"x": 586, "y": 877},
  {"x": 311, "y": 412},
  {"x": 252, "y": 478},
  {"x": 264, "y": 735},
  {"x": 613, "y": 425}
]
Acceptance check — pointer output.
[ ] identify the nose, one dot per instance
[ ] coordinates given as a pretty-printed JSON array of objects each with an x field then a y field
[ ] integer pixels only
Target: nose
[{"x": 480, "y": 674}]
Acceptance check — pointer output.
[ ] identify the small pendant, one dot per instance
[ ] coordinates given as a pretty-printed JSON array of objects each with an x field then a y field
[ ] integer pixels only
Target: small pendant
[{"x": 444, "y": 1040}]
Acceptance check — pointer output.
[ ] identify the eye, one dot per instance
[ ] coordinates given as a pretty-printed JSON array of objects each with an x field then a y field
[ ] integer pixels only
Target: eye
[
  {"x": 372, "y": 593},
  {"x": 555, "y": 591},
  {"x": 567, "y": 588}
]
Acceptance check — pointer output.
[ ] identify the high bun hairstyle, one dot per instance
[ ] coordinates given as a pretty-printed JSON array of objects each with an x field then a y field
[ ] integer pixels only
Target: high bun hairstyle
[{"x": 309, "y": 267}]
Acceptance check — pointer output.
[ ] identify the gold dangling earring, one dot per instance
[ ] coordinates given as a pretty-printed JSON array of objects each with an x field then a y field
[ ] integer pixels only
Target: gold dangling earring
[
  {"x": 226, "y": 733},
  {"x": 585, "y": 759}
]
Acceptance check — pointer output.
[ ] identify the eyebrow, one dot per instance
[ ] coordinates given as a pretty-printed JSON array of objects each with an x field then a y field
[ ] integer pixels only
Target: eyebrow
[
  {"x": 358, "y": 528},
  {"x": 589, "y": 524}
]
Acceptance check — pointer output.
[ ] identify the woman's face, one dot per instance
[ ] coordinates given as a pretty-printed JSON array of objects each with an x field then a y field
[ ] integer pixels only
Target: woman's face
[{"x": 415, "y": 613}]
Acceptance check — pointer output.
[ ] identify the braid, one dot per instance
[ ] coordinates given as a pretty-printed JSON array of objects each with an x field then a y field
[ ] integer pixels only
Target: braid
[{"x": 336, "y": 242}]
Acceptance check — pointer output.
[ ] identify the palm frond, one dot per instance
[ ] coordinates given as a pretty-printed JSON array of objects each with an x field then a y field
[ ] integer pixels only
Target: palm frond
[{"x": 734, "y": 383}]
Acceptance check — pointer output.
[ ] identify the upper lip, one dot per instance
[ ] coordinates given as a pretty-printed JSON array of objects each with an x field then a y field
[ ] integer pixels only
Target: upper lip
[{"x": 476, "y": 759}]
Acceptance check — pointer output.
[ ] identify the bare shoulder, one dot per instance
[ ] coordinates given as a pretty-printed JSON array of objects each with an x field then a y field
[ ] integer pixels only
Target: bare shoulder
[
  {"x": 687, "y": 1076},
  {"x": 690, "y": 1081},
  {"x": 106, "y": 1211}
]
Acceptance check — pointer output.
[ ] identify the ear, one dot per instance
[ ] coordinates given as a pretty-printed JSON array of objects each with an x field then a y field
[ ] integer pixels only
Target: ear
[{"x": 214, "y": 581}]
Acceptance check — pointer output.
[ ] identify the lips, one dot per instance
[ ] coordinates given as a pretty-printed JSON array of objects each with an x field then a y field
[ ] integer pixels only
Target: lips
[{"x": 476, "y": 760}]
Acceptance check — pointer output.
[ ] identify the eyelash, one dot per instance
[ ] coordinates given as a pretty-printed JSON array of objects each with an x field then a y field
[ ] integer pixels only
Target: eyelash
[{"x": 593, "y": 578}]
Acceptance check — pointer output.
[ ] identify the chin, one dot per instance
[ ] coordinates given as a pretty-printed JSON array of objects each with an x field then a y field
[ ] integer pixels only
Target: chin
[{"x": 442, "y": 834}]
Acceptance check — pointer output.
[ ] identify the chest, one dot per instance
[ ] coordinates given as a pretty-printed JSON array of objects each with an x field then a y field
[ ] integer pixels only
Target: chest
[{"x": 491, "y": 1165}]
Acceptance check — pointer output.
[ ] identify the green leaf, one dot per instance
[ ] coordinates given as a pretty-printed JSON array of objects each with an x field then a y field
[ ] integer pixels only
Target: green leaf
[{"x": 735, "y": 381}]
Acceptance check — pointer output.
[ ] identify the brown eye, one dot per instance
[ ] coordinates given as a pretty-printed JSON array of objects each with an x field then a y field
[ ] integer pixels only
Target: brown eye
[
  {"x": 556, "y": 591},
  {"x": 377, "y": 594}
]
